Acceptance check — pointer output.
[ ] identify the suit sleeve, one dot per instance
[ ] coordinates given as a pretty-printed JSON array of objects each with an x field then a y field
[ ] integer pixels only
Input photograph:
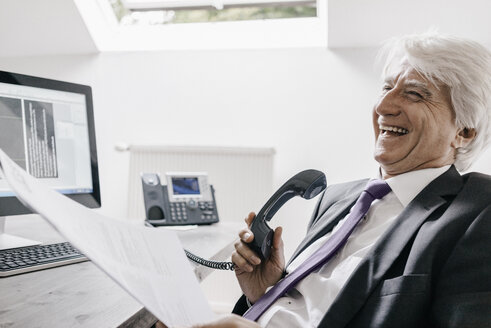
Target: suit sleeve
[{"x": 463, "y": 291}]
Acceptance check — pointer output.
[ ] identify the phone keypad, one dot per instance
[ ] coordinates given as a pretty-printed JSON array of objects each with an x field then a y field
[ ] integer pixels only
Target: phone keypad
[
  {"x": 182, "y": 211},
  {"x": 178, "y": 212},
  {"x": 207, "y": 211}
]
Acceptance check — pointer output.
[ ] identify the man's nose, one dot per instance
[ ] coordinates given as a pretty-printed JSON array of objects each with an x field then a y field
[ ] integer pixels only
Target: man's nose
[{"x": 388, "y": 104}]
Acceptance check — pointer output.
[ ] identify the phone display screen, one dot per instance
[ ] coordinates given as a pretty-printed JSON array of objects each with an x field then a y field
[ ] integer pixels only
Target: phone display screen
[{"x": 185, "y": 186}]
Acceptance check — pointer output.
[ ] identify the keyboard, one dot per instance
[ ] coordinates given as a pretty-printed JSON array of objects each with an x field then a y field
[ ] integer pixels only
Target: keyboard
[{"x": 33, "y": 258}]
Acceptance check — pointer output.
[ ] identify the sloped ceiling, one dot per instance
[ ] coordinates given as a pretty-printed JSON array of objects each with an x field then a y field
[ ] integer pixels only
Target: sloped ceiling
[
  {"x": 42, "y": 27},
  {"x": 45, "y": 27},
  {"x": 362, "y": 23}
]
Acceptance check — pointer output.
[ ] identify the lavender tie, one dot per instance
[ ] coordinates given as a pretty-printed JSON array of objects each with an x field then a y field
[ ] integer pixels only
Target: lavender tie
[{"x": 375, "y": 189}]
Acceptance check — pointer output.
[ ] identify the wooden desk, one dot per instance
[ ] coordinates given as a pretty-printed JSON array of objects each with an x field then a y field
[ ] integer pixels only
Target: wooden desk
[{"x": 80, "y": 295}]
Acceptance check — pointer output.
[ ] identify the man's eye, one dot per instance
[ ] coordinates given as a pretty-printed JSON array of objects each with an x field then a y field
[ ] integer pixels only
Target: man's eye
[
  {"x": 387, "y": 88},
  {"x": 415, "y": 94}
]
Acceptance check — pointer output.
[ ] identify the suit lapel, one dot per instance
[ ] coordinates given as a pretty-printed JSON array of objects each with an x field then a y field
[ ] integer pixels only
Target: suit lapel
[{"x": 373, "y": 267}]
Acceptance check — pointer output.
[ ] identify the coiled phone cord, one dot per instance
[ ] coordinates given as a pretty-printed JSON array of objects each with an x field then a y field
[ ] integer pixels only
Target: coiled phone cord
[
  {"x": 210, "y": 264},
  {"x": 207, "y": 263}
]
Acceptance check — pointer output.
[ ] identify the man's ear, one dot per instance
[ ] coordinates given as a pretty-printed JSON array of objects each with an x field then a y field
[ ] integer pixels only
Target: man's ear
[{"x": 464, "y": 137}]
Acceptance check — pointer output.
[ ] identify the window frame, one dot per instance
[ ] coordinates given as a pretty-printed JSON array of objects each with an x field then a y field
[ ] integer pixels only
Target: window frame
[
  {"x": 143, "y": 5},
  {"x": 109, "y": 35}
]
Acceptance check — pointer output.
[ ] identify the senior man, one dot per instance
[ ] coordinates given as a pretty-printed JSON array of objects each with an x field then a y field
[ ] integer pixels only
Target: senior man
[{"x": 420, "y": 256}]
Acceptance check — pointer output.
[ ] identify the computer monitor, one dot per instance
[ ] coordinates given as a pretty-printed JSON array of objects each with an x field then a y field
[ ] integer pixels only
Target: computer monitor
[{"x": 47, "y": 127}]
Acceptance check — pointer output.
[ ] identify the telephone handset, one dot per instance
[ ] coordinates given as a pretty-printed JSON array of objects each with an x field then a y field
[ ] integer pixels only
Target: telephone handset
[{"x": 307, "y": 184}]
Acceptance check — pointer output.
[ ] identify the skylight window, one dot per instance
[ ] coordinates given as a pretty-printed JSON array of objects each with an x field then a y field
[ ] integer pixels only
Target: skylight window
[
  {"x": 160, "y": 12},
  {"x": 156, "y": 25}
]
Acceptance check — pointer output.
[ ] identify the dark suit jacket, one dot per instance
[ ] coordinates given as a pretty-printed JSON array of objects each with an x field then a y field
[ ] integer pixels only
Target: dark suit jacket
[{"x": 432, "y": 268}]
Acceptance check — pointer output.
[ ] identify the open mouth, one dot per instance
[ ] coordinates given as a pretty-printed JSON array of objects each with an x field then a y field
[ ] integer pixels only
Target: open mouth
[{"x": 392, "y": 130}]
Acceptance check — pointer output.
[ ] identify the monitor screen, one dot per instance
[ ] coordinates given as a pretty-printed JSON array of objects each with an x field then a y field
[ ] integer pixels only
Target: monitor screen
[{"x": 47, "y": 128}]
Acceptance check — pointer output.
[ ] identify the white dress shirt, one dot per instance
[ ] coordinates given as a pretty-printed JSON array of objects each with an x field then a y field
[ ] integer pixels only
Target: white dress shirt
[{"x": 306, "y": 304}]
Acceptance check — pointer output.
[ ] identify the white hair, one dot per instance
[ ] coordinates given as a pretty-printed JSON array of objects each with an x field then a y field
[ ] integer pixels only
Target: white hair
[{"x": 462, "y": 65}]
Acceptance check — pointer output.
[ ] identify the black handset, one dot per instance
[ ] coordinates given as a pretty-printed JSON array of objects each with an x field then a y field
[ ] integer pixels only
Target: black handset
[{"x": 307, "y": 184}]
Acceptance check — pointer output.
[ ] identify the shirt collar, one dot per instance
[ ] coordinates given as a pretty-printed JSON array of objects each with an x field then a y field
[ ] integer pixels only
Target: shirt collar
[{"x": 408, "y": 185}]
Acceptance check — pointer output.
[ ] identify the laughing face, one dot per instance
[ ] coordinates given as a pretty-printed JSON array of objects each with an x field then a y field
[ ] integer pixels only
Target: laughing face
[{"x": 414, "y": 125}]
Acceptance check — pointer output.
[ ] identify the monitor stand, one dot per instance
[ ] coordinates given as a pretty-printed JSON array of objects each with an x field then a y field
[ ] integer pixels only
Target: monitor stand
[{"x": 11, "y": 241}]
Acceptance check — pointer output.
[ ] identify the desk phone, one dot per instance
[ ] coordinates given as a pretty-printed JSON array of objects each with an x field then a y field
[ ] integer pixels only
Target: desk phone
[{"x": 187, "y": 199}]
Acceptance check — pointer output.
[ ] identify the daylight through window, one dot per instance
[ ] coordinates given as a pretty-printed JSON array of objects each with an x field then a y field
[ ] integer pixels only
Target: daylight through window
[{"x": 158, "y": 12}]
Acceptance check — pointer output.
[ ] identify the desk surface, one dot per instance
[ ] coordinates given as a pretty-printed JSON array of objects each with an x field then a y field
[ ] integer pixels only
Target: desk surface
[{"x": 81, "y": 295}]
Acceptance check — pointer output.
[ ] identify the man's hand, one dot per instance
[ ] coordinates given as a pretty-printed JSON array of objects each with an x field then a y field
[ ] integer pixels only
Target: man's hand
[{"x": 254, "y": 275}]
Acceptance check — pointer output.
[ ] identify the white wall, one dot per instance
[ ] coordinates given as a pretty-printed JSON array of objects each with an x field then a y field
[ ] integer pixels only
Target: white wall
[{"x": 312, "y": 105}]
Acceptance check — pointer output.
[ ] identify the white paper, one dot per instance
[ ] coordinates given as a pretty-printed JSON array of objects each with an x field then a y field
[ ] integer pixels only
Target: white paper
[{"x": 150, "y": 264}]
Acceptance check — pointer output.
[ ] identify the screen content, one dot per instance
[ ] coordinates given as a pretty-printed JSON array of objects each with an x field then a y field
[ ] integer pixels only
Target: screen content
[
  {"x": 46, "y": 132},
  {"x": 185, "y": 186}
]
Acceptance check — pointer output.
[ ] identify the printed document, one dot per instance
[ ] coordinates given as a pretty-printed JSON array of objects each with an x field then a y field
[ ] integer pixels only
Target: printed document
[{"x": 150, "y": 264}]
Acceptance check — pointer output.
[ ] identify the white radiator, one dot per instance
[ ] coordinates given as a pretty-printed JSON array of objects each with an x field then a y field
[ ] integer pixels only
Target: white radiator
[{"x": 242, "y": 177}]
